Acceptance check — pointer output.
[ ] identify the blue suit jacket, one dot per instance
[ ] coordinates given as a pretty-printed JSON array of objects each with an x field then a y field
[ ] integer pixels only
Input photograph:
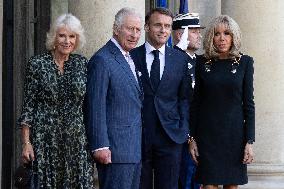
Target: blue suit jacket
[
  {"x": 171, "y": 97},
  {"x": 113, "y": 105}
]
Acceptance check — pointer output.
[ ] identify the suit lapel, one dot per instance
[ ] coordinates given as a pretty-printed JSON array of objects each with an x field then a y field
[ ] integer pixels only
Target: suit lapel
[
  {"x": 143, "y": 66},
  {"x": 124, "y": 64}
]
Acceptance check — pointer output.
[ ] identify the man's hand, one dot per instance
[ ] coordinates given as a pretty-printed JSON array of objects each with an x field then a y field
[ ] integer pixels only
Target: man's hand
[
  {"x": 102, "y": 156},
  {"x": 193, "y": 151},
  {"x": 248, "y": 154},
  {"x": 183, "y": 42}
]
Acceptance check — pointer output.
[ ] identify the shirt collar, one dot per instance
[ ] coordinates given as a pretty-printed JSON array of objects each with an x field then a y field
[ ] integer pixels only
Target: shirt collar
[
  {"x": 118, "y": 46},
  {"x": 191, "y": 56},
  {"x": 150, "y": 48}
]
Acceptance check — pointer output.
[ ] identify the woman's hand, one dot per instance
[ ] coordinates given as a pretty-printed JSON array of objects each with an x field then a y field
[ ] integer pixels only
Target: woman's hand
[
  {"x": 248, "y": 154},
  {"x": 193, "y": 151},
  {"x": 27, "y": 153}
]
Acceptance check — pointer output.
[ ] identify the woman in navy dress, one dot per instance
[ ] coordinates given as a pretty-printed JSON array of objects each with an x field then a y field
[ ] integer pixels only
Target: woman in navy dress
[{"x": 223, "y": 113}]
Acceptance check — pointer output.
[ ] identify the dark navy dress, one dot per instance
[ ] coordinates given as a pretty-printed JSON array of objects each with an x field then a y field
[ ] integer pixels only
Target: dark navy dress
[{"x": 223, "y": 119}]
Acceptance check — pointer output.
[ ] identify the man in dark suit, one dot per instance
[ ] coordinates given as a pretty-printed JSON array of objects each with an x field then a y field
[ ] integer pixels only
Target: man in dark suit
[
  {"x": 114, "y": 102},
  {"x": 165, "y": 105},
  {"x": 187, "y": 38}
]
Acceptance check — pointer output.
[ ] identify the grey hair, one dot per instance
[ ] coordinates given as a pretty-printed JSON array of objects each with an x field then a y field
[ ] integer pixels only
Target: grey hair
[
  {"x": 122, "y": 14},
  {"x": 235, "y": 32},
  {"x": 70, "y": 22}
]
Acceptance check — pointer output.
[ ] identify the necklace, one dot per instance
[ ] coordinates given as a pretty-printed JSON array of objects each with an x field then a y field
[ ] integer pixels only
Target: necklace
[{"x": 60, "y": 67}]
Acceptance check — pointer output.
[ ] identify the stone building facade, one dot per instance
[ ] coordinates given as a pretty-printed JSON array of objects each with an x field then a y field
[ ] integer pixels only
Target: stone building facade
[{"x": 262, "y": 25}]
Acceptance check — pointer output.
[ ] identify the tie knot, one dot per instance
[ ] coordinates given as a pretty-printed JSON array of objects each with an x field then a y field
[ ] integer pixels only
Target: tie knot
[{"x": 156, "y": 53}]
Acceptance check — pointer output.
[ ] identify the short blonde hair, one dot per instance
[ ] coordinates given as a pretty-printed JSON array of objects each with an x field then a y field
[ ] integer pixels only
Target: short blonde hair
[
  {"x": 235, "y": 32},
  {"x": 70, "y": 22}
]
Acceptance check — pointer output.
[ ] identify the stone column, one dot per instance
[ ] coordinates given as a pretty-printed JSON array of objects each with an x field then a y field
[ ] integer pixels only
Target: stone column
[
  {"x": 58, "y": 7},
  {"x": 97, "y": 17},
  {"x": 207, "y": 10},
  {"x": 262, "y": 25}
]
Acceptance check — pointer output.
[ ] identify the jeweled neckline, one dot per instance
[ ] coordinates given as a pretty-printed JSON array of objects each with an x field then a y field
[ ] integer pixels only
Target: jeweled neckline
[{"x": 234, "y": 63}]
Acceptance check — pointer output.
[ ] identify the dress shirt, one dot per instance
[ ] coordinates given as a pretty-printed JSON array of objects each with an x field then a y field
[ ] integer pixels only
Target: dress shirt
[
  {"x": 150, "y": 58},
  {"x": 191, "y": 56}
]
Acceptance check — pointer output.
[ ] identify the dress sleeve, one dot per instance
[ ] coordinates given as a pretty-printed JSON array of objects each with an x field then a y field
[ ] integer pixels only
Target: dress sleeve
[
  {"x": 83, "y": 63},
  {"x": 248, "y": 100},
  {"x": 30, "y": 94}
]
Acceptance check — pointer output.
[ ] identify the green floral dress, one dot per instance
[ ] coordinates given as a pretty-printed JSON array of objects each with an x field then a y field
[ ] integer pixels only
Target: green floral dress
[{"x": 52, "y": 109}]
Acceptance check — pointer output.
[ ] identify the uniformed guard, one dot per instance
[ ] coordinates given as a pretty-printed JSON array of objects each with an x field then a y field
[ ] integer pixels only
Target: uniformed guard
[{"x": 187, "y": 38}]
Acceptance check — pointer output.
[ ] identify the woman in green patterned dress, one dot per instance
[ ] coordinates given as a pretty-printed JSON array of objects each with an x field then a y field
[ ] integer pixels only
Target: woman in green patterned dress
[{"x": 52, "y": 129}]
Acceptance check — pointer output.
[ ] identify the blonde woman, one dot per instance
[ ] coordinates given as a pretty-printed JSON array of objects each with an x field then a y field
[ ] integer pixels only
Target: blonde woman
[{"x": 223, "y": 112}]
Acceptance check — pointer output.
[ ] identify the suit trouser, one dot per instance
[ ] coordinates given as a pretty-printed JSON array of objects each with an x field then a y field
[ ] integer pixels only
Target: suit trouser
[
  {"x": 119, "y": 175},
  {"x": 161, "y": 159}
]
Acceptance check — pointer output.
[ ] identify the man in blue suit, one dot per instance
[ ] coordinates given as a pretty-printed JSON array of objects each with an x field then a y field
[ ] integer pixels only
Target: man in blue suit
[
  {"x": 165, "y": 106},
  {"x": 114, "y": 102}
]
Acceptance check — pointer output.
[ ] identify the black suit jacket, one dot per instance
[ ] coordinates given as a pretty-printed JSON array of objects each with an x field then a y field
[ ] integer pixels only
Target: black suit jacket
[
  {"x": 170, "y": 101},
  {"x": 191, "y": 70}
]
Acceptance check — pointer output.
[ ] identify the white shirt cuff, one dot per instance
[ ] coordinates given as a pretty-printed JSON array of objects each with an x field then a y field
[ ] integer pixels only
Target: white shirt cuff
[{"x": 103, "y": 148}]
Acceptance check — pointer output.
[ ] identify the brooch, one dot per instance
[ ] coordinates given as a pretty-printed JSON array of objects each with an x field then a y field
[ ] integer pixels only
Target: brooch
[
  {"x": 208, "y": 65},
  {"x": 235, "y": 64},
  {"x": 189, "y": 65}
]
